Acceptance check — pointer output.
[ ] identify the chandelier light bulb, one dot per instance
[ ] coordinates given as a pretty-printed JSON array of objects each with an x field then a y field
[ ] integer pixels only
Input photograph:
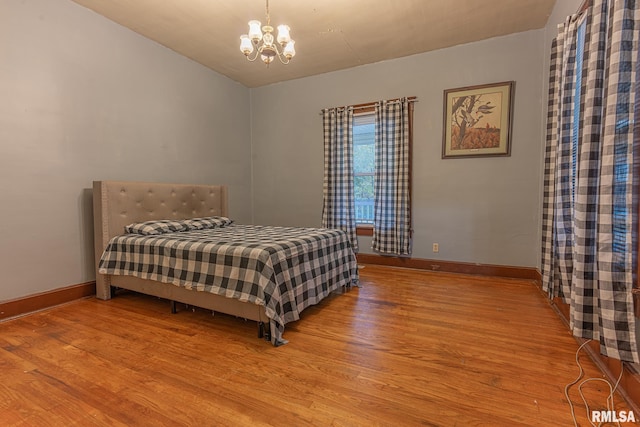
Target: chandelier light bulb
[
  {"x": 290, "y": 49},
  {"x": 283, "y": 34},
  {"x": 246, "y": 46},
  {"x": 254, "y": 31}
]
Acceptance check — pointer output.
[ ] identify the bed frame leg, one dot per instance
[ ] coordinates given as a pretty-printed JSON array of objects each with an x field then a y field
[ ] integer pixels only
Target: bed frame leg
[
  {"x": 264, "y": 331},
  {"x": 173, "y": 307}
]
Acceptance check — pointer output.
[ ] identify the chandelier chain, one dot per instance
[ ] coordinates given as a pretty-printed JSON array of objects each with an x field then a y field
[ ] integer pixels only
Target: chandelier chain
[{"x": 268, "y": 16}]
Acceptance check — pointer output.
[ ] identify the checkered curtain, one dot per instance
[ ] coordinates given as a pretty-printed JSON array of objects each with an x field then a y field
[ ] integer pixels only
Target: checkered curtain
[
  {"x": 557, "y": 223},
  {"x": 589, "y": 215},
  {"x": 338, "y": 210},
  {"x": 392, "y": 214}
]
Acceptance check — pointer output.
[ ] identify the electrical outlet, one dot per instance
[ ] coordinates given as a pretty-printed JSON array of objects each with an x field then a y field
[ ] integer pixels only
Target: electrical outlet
[{"x": 436, "y": 247}]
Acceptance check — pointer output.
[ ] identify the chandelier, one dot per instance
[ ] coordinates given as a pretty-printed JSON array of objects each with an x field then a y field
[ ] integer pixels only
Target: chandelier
[{"x": 260, "y": 42}]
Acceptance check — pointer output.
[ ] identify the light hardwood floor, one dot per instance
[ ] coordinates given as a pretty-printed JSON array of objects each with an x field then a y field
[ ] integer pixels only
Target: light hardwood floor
[{"x": 407, "y": 348}]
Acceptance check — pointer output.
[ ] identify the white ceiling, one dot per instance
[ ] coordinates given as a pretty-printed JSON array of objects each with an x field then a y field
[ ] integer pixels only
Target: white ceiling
[{"x": 330, "y": 34}]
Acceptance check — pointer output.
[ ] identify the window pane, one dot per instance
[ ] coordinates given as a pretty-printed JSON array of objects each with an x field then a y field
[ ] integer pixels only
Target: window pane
[
  {"x": 363, "y": 188},
  {"x": 577, "y": 114},
  {"x": 364, "y": 129},
  {"x": 364, "y": 157}
]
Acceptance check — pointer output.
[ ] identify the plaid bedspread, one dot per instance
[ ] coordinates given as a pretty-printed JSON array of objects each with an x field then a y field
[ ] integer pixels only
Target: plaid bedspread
[{"x": 284, "y": 269}]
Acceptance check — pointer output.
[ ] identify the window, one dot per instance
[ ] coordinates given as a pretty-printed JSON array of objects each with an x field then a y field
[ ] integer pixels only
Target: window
[
  {"x": 367, "y": 173},
  {"x": 364, "y": 153},
  {"x": 364, "y": 130},
  {"x": 577, "y": 114}
]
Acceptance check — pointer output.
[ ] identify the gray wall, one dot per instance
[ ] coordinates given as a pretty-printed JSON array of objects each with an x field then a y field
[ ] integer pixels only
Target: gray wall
[
  {"x": 84, "y": 99},
  {"x": 483, "y": 210}
]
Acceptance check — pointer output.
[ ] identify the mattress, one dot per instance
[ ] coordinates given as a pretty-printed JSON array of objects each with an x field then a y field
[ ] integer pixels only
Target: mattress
[{"x": 284, "y": 269}]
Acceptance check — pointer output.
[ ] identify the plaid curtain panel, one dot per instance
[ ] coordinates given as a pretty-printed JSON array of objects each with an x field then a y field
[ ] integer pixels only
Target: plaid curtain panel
[
  {"x": 548, "y": 265},
  {"x": 589, "y": 215},
  {"x": 616, "y": 212},
  {"x": 565, "y": 172},
  {"x": 392, "y": 213},
  {"x": 338, "y": 210},
  {"x": 583, "y": 319}
]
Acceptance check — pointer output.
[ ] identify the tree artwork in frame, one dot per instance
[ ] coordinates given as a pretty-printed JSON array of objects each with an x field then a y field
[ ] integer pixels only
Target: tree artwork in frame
[{"x": 477, "y": 121}]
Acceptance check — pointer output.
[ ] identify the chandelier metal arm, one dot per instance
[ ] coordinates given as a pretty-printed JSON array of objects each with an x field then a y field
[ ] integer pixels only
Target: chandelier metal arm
[
  {"x": 285, "y": 61},
  {"x": 255, "y": 56},
  {"x": 257, "y": 50}
]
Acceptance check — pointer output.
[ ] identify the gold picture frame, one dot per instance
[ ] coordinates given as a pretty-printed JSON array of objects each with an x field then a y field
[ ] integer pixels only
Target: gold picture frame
[{"x": 477, "y": 121}]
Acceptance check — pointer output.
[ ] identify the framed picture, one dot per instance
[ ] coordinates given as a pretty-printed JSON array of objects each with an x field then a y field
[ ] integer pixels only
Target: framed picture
[{"x": 477, "y": 121}]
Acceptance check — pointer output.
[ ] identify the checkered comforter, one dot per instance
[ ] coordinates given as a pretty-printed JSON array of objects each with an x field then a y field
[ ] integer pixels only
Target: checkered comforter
[{"x": 284, "y": 269}]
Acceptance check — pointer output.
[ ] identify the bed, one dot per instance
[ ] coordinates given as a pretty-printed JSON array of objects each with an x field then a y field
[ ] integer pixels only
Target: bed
[{"x": 265, "y": 274}]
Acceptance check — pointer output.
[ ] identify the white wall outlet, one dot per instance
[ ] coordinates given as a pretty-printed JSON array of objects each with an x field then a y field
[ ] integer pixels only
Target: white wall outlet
[{"x": 436, "y": 247}]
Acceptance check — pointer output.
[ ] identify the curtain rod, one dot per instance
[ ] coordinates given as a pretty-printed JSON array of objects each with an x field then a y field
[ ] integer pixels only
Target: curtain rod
[{"x": 373, "y": 104}]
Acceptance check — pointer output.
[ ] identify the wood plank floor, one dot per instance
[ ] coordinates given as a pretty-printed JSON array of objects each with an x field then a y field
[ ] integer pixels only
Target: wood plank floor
[{"x": 407, "y": 348}]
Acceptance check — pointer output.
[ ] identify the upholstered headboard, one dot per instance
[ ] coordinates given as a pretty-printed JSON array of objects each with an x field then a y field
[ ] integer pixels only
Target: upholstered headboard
[{"x": 119, "y": 203}]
